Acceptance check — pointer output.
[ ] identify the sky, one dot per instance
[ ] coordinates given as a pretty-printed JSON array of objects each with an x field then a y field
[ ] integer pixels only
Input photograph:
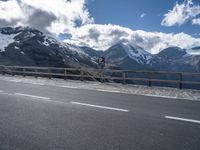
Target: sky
[
  {"x": 138, "y": 14},
  {"x": 151, "y": 24}
]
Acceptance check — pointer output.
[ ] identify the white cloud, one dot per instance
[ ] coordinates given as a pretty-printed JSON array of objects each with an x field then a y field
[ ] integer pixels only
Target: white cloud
[
  {"x": 196, "y": 21},
  {"x": 181, "y": 13},
  {"x": 103, "y": 36},
  {"x": 143, "y": 15},
  {"x": 55, "y": 16},
  {"x": 61, "y": 16},
  {"x": 10, "y": 11},
  {"x": 196, "y": 34}
]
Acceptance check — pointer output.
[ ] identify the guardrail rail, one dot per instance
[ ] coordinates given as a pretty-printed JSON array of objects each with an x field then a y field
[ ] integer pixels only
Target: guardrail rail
[{"x": 124, "y": 76}]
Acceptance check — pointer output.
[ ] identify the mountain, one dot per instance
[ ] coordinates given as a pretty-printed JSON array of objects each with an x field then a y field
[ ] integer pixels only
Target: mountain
[
  {"x": 91, "y": 52},
  {"x": 30, "y": 47},
  {"x": 174, "y": 59},
  {"x": 25, "y": 46},
  {"x": 127, "y": 56},
  {"x": 169, "y": 59}
]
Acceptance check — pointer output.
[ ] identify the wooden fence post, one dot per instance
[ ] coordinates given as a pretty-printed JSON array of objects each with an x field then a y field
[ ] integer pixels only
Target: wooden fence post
[
  {"x": 36, "y": 71},
  {"x": 82, "y": 75},
  {"x": 150, "y": 76},
  {"x": 2, "y": 70},
  {"x": 13, "y": 71},
  {"x": 124, "y": 77},
  {"x": 102, "y": 75},
  {"x": 65, "y": 74},
  {"x": 49, "y": 72},
  {"x": 24, "y": 74},
  {"x": 180, "y": 81}
]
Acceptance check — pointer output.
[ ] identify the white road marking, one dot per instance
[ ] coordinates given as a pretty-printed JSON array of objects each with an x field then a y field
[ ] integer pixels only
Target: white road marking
[
  {"x": 42, "y": 84},
  {"x": 182, "y": 119},
  {"x": 103, "y": 107},
  {"x": 4, "y": 93},
  {"x": 151, "y": 95},
  {"x": 110, "y": 91},
  {"x": 70, "y": 87},
  {"x": 32, "y": 96},
  {"x": 83, "y": 87},
  {"x": 36, "y": 98}
]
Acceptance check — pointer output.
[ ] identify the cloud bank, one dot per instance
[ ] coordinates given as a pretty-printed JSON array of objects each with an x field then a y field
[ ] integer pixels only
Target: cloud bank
[
  {"x": 72, "y": 17},
  {"x": 54, "y": 16},
  {"x": 103, "y": 36},
  {"x": 182, "y": 13}
]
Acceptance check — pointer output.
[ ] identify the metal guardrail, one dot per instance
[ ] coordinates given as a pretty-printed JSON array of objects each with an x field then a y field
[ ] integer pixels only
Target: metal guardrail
[{"x": 123, "y": 76}]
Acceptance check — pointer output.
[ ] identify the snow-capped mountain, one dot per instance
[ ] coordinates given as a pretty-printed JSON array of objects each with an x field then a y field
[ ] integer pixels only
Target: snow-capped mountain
[
  {"x": 128, "y": 56},
  {"x": 30, "y": 47},
  {"x": 175, "y": 59}
]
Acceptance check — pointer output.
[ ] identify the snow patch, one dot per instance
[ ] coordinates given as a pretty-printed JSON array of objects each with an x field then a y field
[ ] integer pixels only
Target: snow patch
[
  {"x": 75, "y": 49},
  {"x": 137, "y": 53},
  {"x": 46, "y": 43},
  {"x": 50, "y": 40},
  {"x": 6, "y": 40},
  {"x": 16, "y": 47},
  {"x": 193, "y": 52},
  {"x": 29, "y": 35}
]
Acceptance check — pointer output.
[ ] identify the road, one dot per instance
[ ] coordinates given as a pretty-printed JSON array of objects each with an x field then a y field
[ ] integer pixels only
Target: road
[{"x": 39, "y": 117}]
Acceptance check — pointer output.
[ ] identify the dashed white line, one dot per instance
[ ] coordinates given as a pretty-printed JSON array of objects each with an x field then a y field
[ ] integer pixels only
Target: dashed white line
[
  {"x": 182, "y": 119},
  {"x": 9, "y": 94},
  {"x": 98, "y": 106},
  {"x": 32, "y": 96},
  {"x": 1, "y": 91},
  {"x": 42, "y": 99}
]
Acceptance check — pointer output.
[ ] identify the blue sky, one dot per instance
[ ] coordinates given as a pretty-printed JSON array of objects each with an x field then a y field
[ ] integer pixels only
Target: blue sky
[{"x": 127, "y": 13}]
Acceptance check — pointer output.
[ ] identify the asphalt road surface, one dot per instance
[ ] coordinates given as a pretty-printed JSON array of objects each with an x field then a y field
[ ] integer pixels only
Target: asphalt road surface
[{"x": 39, "y": 117}]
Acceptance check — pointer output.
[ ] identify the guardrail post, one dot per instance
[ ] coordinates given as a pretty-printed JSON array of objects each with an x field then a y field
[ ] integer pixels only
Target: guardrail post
[
  {"x": 24, "y": 74},
  {"x": 36, "y": 71},
  {"x": 49, "y": 72},
  {"x": 82, "y": 75},
  {"x": 150, "y": 79},
  {"x": 124, "y": 77},
  {"x": 180, "y": 81},
  {"x": 13, "y": 71},
  {"x": 102, "y": 76},
  {"x": 2, "y": 70},
  {"x": 65, "y": 74}
]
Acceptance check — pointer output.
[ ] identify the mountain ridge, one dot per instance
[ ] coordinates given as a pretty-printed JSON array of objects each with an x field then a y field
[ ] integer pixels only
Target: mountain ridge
[{"x": 28, "y": 46}]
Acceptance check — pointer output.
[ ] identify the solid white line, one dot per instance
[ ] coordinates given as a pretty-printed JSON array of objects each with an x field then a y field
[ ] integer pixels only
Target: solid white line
[
  {"x": 70, "y": 87},
  {"x": 182, "y": 119},
  {"x": 32, "y": 96},
  {"x": 103, "y": 107},
  {"x": 110, "y": 91},
  {"x": 151, "y": 95}
]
